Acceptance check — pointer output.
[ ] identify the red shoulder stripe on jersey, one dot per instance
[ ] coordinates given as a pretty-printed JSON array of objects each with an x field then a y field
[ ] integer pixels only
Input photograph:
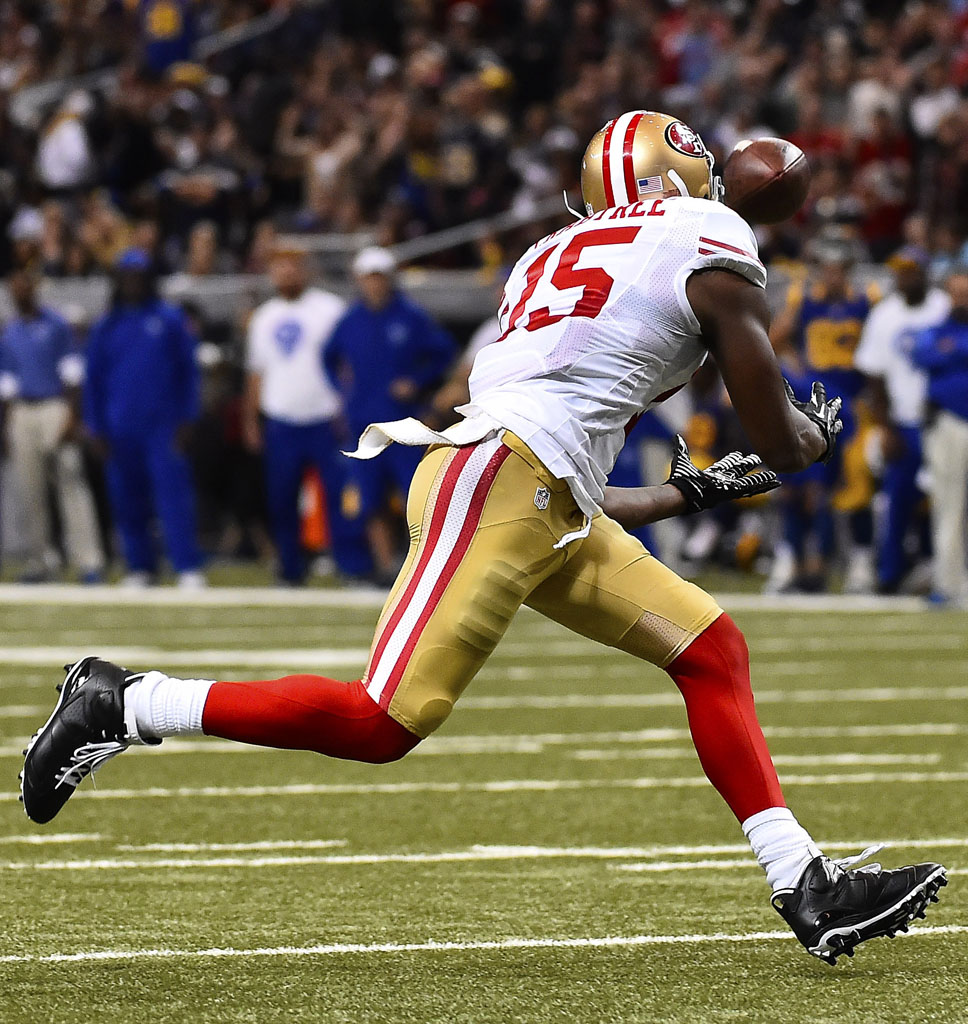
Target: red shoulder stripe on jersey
[
  {"x": 731, "y": 248},
  {"x": 606, "y": 170},
  {"x": 631, "y": 188}
]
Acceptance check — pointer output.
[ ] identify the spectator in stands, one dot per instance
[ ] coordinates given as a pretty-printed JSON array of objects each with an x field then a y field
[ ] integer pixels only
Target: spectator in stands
[
  {"x": 897, "y": 392},
  {"x": 41, "y": 368},
  {"x": 141, "y": 399},
  {"x": 64, "y": 158},
  {"x": 385, "y": 356},
  {"x": 942, "y": 351},
  {"x": 292, "y": 415}
]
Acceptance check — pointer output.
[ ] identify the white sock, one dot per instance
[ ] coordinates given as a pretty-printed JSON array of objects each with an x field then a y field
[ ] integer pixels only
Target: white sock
[
  {"x": 158, "y": 705},
  {"x": 782, "y": 845}
]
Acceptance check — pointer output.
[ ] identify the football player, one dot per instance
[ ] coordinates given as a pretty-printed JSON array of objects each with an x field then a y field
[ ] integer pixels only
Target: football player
[
  {"x": 508, "y": 507},
  {"x": 816, "y": 336}
]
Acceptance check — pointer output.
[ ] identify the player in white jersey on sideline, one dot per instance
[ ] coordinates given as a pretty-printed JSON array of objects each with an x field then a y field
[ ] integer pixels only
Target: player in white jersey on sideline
[
  {"x": 509, "y": 507},
  {"x": 291, "y": 413}
]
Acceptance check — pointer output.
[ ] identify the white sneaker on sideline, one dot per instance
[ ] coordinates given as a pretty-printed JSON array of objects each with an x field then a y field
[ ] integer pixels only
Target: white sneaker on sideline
[
  {"x": 135, "y": 581},
  {"x": 860, "y": 577},
  {"x": 783, "y": 571},
  {"x": 193, "y": 580}
]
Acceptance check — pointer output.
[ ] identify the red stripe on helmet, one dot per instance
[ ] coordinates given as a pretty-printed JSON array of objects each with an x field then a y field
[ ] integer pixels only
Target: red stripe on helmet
[
  {"x": 631, "y": 188},
  {"x": 606, "y": 171}
]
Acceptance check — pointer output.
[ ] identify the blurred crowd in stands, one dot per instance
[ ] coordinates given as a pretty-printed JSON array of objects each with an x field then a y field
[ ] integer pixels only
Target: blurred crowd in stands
[
  {"x": 409, "y": 116},
  {"x": 161, "y": 154}
]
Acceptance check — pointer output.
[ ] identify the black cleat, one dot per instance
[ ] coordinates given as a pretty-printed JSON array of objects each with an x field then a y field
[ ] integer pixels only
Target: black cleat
[
  {"x": 85, "y": 729},
  {"x": 832, "y": 909}
]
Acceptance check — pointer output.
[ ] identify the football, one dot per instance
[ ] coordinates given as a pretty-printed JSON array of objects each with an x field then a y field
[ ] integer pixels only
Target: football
[{"x": 766, "y": 180}]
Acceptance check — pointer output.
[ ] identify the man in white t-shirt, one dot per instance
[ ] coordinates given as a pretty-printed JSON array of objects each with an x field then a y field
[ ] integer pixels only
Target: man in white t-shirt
[
  {"x": 898, "y": 389},
  {"x": 292, "y": 413}
]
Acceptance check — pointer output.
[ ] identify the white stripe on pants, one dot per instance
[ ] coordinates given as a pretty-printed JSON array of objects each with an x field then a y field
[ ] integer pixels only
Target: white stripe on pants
[
  {"x": 34, "y": 433},
  {"x": 946, "y": 449},
  {"x": 456, "y": 513}
]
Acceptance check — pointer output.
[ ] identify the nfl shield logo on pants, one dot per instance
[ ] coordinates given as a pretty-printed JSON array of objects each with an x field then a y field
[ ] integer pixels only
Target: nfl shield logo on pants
[{"x": 541, "y": 498}]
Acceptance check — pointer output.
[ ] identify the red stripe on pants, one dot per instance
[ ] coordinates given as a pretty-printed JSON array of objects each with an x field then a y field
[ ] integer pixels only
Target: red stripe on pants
[
  {"x": 471, "y": 521},
  {"x": 438, "y": 518}
]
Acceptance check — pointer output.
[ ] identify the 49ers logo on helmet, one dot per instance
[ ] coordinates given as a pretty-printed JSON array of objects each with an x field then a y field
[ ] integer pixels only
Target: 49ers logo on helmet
[{"x": 681, "y": 137}]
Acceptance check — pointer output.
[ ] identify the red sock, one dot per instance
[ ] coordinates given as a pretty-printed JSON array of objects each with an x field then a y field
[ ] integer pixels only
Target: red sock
[
  {"x": 307, "y": 713},
  {"x": 713, "y": 673}
]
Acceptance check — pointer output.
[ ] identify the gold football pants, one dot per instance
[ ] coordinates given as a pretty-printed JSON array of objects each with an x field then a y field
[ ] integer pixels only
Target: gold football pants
[{"x": 484, "y": 520}]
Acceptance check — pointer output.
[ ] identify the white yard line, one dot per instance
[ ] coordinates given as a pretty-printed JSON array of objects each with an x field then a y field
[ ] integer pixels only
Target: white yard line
[
  {"x": 337, "y": 949},
  {"x": 323, "y": 657},
  {"x": 780, "y": 760},
  {"x": 497, "y": 786},
  {"x": 536, "y": 743},
  {"x": 51, "y": 839},
  {"x": 490, "y": 851},
  {"x": 890, "y": 642},
  {"x": 262, "y": 844},
  {"x": 20, "y": 710},
  {"x": 254, "y": 597},
  {"x": 474, "y": 854},
  {"x": 863, "y": 695},
  {"x": 53, "y": 657},
  {"x": 331, "y": 656}
]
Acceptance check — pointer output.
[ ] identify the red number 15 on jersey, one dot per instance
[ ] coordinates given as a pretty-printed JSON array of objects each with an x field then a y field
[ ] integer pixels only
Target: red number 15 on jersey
[{"x": 593, "y": 281}]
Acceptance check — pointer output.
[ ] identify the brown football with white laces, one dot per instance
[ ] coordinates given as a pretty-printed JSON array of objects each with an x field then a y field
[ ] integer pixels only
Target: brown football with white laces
[{"x": 766, "y": 180}]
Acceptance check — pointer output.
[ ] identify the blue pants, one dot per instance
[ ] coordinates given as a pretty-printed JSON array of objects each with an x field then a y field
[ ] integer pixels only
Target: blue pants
[
  {"x": 291, "y": 449},
  {"x": 902, "y": 495},
  {"x": 147, "y": 477},
  {"x": 626, "y": 473},
  {"x": 375, "y": 479}
]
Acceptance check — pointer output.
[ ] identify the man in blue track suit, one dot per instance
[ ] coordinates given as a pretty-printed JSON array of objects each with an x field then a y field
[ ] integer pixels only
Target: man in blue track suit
[
  {"x": 385, "y": 356},
  {"x": 141, "y": 397}
]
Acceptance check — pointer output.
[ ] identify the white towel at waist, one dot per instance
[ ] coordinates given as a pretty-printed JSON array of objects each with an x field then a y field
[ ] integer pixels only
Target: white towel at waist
[{"x": 410, "y": 431}]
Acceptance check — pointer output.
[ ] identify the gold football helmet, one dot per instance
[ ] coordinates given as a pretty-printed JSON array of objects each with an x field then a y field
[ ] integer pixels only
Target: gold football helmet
[{"x": 642, "y": 153}]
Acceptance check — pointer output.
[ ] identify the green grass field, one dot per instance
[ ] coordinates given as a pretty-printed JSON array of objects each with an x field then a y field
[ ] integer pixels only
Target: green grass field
[{"x": 553, "y": 854}]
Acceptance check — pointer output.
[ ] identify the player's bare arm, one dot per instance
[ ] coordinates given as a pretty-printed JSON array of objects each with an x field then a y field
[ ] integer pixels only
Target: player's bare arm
[
  {"x": 735, "y": 321},
  {"x": 689, "y": 489}
]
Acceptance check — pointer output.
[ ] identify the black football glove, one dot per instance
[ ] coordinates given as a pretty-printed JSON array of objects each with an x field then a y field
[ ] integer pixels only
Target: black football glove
[
  {"x": 725, "y": 480},
  {"x": 818, "y": 410}
]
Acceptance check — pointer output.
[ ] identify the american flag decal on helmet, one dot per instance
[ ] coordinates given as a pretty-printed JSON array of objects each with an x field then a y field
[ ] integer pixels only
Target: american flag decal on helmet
[{"x": 653, "y": 184}]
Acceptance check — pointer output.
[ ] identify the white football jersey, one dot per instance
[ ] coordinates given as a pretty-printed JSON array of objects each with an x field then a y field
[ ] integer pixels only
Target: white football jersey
[
  {"x": 597, "y": 328},
  {"x": 285, "y": 345}
]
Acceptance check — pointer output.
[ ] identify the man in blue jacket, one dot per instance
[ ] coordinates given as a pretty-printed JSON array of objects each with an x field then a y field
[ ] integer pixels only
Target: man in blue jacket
[
  {"x": 385, "y": 356},
  {"x": 141, "y": 397},
  {"x": 942, "y": 352}
]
